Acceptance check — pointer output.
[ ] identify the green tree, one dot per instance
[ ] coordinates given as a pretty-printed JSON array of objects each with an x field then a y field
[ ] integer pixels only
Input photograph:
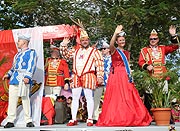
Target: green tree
[{"x": 100, "y": 18}]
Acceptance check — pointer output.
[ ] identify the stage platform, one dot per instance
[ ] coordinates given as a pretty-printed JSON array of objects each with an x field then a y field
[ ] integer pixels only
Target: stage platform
[{"x": 83, "y": 127}]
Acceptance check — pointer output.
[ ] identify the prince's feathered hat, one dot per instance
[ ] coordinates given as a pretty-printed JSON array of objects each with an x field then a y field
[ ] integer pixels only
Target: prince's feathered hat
[{"x": 83, "y": 32}]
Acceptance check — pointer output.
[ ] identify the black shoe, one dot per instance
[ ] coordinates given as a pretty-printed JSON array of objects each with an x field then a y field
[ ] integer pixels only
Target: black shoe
[
  {"x": 30, "y": 124},
  {"x": 94, "y": 121},
  {"x": 9, "y": 125}
]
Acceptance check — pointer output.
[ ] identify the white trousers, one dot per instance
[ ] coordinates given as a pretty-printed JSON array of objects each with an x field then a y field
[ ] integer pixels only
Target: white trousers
[
  {"x": 97, "y": 97},
  {"x": 55, "y": 90},
  {"x": 13, "y": 101},
  {"x": 76, "y": 93}
]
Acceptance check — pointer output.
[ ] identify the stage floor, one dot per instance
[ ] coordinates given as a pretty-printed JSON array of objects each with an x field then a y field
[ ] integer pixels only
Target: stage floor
[{"x": 83, "y": 127}]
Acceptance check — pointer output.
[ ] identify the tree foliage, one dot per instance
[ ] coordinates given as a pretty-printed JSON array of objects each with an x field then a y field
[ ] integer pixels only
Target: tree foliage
[{"x": 100, "y": 17}]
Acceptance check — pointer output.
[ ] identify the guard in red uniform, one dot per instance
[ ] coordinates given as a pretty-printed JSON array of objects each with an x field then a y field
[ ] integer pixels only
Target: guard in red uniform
[
  {"x": 56, "y": 73},
  {"x": 152, "y": 57}
]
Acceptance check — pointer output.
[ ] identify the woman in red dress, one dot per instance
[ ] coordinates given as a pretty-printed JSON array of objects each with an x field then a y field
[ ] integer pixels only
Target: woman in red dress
[{"x": 122, "y": 105}]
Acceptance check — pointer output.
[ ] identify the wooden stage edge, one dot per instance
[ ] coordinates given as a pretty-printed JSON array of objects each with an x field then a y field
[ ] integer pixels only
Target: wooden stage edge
[{"x": 83, "y": 127}]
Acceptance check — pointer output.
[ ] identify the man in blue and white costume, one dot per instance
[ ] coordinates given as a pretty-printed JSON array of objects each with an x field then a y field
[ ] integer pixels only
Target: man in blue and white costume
[
  {"x": 20, "y": 75},
  {"x": 107, "y": 61}
]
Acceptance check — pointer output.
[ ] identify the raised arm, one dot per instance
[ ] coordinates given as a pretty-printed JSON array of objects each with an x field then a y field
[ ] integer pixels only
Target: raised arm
[
  {"x": 113, "y": 39},
  {"x": 66, "y": 54},
  {"x": 172, "y": 30},
  {"x": 174, "y": 36}
]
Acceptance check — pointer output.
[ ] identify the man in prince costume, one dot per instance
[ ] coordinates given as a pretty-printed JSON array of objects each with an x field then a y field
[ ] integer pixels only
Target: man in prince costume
[{"x": 88, "y": 70}]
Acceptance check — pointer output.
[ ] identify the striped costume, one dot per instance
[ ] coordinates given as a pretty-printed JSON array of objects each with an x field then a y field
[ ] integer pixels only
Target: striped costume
[{"x": 87, "y": 65}]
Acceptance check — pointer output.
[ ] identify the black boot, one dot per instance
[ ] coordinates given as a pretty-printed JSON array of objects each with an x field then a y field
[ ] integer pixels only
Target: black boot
[
  {"x": 30, "y": 124},
  {"x": 9, "y": 125}
]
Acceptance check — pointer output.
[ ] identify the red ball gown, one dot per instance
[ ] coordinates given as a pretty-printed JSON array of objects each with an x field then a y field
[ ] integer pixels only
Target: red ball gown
[{"x": 122, "y": 105}]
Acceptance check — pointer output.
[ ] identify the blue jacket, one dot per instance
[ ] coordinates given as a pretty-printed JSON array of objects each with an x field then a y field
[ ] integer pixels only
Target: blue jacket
[{"x": 24, "y": 66}]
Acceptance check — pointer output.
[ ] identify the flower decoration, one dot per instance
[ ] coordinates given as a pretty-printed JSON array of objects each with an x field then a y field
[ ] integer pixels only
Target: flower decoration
[{"x": 168, "y": 78}]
